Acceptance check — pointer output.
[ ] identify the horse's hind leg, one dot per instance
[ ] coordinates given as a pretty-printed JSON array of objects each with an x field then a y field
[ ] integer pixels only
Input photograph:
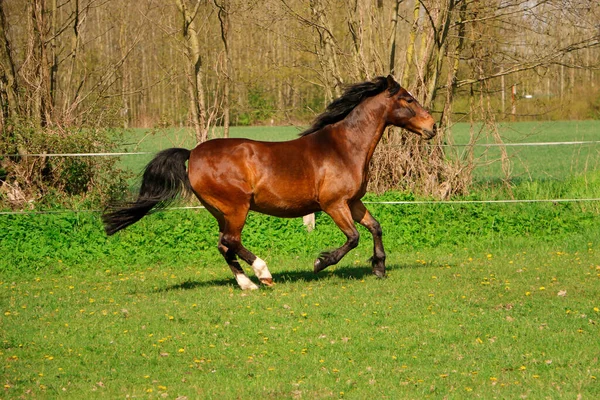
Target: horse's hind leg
[{"x": 361, "y": 215}]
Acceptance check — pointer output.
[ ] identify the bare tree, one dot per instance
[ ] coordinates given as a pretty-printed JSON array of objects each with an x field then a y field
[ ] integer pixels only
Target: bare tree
[
  {"x": 194, "y": 73},
  {"x": 224, "y": 19}
]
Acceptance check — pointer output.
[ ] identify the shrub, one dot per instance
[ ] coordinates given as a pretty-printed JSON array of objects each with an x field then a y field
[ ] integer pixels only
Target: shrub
[{"x": 30, "y": 174}]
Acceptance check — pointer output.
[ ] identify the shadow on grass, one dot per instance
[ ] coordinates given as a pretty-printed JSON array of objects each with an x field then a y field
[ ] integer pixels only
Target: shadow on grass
[{"x": 345, "y": 273}]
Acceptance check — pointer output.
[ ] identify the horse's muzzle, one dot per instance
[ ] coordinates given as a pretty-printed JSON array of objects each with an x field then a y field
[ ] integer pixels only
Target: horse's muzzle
[{"x": 428, "y": 134}]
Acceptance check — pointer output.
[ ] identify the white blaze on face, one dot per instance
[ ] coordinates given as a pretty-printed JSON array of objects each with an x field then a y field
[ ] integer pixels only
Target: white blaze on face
[{"x": 260, "y": 269}]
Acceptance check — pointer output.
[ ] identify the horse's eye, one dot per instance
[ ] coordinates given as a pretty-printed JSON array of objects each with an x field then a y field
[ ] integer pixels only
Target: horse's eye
[{"x": 410, "y": 100}]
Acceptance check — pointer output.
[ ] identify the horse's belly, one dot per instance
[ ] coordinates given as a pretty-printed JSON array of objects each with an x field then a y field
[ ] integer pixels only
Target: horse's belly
[{"x": 284, "y": 207}]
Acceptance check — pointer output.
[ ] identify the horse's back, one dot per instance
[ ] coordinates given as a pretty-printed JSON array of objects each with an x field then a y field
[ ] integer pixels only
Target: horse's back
[{"x": 276, "y": 178}]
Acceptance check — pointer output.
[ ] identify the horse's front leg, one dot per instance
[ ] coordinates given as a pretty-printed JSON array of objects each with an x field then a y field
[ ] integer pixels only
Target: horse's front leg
[
  {"x": 342, "y": 217},
  {"x": 361, "y": 215},
  {"x": 232, "y": 240}
]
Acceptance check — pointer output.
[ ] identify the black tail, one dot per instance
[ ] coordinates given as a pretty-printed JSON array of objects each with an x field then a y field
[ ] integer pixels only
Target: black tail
[{"x": 165, "y": 178}]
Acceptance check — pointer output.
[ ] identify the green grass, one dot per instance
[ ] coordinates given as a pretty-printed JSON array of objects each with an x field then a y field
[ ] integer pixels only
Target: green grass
[
  {"x": 531, "y": 163},
  {"x": 463, "y": 324}
]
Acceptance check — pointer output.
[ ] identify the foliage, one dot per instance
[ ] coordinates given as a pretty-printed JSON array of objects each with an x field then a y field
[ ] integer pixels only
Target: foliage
[
  {"x": 32, "y": 175},
  {"x": 594, "y": 106},
  {"x": 260, "y": 108},
  {"x": 36, "y": 242}
]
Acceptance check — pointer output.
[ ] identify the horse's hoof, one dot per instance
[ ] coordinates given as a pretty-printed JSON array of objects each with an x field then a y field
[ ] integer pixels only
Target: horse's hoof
[
  {"x": 379, "y": 274},
  {"x": 267, "y": 282},
  {"x": 318, "y": 265},
  {"x": 250, "y": 286}
]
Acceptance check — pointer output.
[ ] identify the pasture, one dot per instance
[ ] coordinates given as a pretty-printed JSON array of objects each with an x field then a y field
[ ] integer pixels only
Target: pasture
[{"x": 481, "y": 301}]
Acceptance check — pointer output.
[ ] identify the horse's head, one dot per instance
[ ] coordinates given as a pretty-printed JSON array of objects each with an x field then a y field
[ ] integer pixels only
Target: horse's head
[{"x": 406, "y": 112}]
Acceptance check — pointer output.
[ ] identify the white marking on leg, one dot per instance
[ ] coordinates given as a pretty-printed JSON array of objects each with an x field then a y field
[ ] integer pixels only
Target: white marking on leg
[
  {"x": 260, "y": 269},
  {"x": 245, "y": 282}
]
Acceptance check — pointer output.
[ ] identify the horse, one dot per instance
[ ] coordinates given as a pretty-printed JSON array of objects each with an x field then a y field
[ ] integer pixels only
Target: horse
[{"x": 324, "y": 169}]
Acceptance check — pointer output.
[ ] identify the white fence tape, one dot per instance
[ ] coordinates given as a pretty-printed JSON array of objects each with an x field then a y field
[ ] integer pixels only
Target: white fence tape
[
  {"x": 509, "y": 201},
  {"x": 404, "y": 202},
  {"x": 442, "y": 145},
  {"x": 77, "y": 154}
]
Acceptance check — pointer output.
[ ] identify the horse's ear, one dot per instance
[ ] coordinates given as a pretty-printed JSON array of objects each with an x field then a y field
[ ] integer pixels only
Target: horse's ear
[{"x": 390, "y": 81}]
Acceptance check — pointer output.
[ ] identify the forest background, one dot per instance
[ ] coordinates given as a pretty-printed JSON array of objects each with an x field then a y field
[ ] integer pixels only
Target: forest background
[{"x": 75, "y": 73}]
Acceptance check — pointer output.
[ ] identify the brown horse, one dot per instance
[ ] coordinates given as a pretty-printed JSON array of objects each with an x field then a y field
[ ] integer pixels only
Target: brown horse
[{"x": 326, "y": 169}]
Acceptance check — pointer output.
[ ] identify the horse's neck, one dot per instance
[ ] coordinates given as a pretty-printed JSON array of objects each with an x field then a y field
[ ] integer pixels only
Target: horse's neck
[{"x": 364, "y": 127}]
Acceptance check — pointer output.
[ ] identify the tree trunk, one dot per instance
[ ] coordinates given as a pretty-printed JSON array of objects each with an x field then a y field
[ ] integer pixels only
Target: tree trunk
[
  {"x": 42, "y": 68},
  {"x": 410, "y": 50},
  {"x": 453, "y": 70},
  {"x": 394, "y": 29},
  {"x": 441, "y": 45},
  {"x": 194, "y": 74},
  {"x": 9, "y": 89},
  {"x": 327, "y": 53},
  {"x": 224, "y": 19}
]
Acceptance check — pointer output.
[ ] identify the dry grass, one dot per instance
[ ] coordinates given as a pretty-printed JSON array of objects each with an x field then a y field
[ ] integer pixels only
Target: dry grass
[{"x": 403, "y": 161}]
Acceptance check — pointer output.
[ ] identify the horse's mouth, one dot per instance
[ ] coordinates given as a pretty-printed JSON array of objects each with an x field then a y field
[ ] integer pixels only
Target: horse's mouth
[{"x": 428, "y": 134}]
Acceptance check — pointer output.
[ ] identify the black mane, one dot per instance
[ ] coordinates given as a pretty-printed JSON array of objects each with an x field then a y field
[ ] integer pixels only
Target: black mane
[{"x": 353, "y": 96}]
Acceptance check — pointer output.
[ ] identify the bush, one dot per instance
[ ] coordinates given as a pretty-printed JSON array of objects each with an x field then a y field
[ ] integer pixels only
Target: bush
[{"x": 30, "y": 176}]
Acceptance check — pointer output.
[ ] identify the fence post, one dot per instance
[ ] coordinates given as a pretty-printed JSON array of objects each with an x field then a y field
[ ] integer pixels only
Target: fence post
[{"x": 309, "y": 222}]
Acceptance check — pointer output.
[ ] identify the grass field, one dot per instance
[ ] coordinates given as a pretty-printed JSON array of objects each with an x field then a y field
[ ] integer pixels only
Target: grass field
[{"x": 481, "y": 300}]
